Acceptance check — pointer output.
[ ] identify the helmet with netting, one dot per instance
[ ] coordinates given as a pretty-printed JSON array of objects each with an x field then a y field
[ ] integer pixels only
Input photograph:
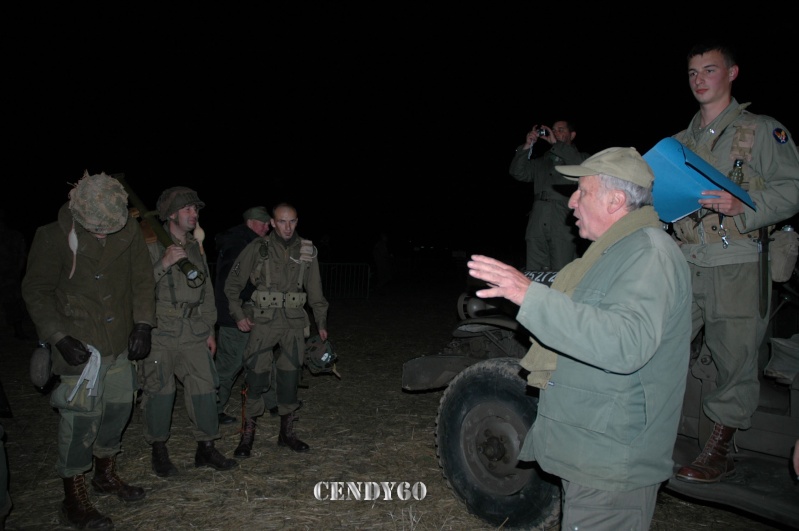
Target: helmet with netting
[
  {"x": 173, "y": 199},
  {"x": 99, "y": 203}
]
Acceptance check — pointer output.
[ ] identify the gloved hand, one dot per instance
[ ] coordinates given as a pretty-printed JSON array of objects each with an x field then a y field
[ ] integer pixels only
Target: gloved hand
[
  {"x": 139, "y": 341},
  {"x": 74, "y": 352}
]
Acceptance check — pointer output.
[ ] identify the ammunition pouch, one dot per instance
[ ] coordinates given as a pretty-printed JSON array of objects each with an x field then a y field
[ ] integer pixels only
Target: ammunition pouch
[
  {"x": 784, "y": 250},
  {"x": 279, "y": 299}
]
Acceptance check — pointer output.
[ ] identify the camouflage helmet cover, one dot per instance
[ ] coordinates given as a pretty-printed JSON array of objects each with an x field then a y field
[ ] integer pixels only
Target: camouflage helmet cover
[
  {"x": 175, "y": 198},
  {"x": 99, "y": 203},
  {"x": 319, "y": 355}
]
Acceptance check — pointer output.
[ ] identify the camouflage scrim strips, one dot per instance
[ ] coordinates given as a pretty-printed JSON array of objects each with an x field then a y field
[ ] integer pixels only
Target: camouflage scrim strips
[{"x": 99, "y": 203}]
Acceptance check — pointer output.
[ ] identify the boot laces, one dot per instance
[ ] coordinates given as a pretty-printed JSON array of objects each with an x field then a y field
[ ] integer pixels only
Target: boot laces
[
  {"x": 715, "y": 447},
  {"x": 109, "y": 474},
  {"x": 81, "y": 492}
]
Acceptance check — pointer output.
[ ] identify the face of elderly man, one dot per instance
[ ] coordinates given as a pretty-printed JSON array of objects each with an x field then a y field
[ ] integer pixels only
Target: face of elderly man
[{"x": 593, "y": 206}]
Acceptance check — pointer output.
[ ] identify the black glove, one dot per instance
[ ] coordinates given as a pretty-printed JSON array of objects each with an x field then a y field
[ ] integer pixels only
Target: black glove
[
  {"x": 139, "y": 341},
  {"x": 73, "y": 351}
]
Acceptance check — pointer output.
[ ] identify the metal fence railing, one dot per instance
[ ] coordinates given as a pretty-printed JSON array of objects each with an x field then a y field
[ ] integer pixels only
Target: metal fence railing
[{"x": 345, "y": 280}]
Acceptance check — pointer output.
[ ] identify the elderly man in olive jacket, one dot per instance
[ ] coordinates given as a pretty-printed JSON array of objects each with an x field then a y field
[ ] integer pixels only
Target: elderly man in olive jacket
[
  {"x": 611, "y": 348},
  {"x": 89, "y": 289}
]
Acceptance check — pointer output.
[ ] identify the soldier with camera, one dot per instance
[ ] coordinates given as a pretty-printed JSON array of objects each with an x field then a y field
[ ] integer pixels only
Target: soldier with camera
[{"x": 550, "y": 237}]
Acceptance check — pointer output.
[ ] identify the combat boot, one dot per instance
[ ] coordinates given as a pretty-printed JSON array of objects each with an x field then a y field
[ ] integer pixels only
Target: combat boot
[
  {"x": 714, "y": 463},
  {"x": 247, "y": 438},
  {"x": 287, "y": 436},
  {"x": 77, "y": 510},
  {"x": 106, "y": 481},
  {"x": 208, "y": 455},
  {"x": 162, "y": 466}
]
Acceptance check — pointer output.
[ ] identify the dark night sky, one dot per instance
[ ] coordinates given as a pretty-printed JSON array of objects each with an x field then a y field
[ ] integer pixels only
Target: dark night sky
[{"x": 364, "y": 118}]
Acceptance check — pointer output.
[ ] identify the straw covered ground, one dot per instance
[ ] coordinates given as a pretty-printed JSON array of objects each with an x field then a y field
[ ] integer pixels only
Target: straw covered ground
[{"x": 361, "y": 427}]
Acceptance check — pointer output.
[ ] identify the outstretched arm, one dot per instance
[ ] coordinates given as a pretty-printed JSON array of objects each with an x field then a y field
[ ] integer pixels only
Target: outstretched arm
[{"x": 503, "y": 280}]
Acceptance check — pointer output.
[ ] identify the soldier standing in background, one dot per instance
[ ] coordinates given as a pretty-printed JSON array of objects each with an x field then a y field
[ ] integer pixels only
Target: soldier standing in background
[
  {"x": 550, "y": 236},
  {"x": 232, "y": 341},
  {"x": 89, "y": 290},
  {"x": 183, "y": 343},
  {"x": 285, "y": 271}
]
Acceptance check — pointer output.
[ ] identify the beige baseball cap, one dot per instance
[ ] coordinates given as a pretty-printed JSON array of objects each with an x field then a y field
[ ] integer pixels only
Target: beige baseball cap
[{"x": 623, "y": 163}]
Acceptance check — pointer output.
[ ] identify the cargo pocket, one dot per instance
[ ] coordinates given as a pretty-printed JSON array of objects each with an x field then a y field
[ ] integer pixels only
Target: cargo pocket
[{"x": 81, "y": 401}]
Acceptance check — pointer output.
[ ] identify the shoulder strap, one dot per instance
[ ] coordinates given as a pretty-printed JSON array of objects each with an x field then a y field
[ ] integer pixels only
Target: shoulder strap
[
  {"x": 306, "y": 255},
  {"x": 262, "y": 267},
  {"x": 742, "y": 143}
]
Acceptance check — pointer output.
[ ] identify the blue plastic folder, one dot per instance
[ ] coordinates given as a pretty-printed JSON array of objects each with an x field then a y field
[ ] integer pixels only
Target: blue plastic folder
[{"x": 680, "y": 178}]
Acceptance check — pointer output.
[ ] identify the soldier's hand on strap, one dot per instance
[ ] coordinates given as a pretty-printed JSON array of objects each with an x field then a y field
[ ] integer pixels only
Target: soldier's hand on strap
[{"x": 73, "y": 351}]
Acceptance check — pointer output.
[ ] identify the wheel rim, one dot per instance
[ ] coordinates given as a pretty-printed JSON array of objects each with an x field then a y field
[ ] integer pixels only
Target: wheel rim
[{"x": 491, "y": 438}]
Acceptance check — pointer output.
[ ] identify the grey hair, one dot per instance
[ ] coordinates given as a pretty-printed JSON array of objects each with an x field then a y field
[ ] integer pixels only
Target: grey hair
[{"x": 635, "y": 196}]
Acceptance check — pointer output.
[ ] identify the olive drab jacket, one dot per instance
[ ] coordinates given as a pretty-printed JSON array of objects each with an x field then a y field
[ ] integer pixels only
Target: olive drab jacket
[
  {"x": 112, "y": 287},
  {"x": 176, "y": 301},
  {"x": 274, "y": 265},
  {"x": 771, "y": 176},
  {"x": 542, "y": 173}
]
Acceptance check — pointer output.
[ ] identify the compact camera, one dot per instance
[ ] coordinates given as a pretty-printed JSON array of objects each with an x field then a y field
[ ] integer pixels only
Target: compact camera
[{"x": 541, "y": 132}]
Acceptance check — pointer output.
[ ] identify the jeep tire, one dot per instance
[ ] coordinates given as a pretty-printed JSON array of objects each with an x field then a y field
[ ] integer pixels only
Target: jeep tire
[{"x": 483, "y": 418}]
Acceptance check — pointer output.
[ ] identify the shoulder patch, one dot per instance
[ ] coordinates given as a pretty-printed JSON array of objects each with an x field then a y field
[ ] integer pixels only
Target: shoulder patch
[{"x": 780, "y": 135}]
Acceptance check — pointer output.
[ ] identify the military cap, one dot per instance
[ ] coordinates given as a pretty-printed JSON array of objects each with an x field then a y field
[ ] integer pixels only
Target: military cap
[{"x": 258, "y": 213}]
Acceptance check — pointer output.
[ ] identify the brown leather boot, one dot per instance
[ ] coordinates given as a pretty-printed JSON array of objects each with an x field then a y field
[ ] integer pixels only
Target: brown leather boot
[
  {"x": 208, "y": 455},
  {"x": 287, "y": 436},
  {"x": 714, "y": 463},
  {"x": 247, "y": 438},
  {"x": 77, "y": 510},
  {"x": 106, "y": 481},
  {"x": 162, "y": 466}
]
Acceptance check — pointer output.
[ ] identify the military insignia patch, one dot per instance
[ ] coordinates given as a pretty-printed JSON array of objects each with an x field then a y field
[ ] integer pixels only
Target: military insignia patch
[{"x": 780, "y": 135}]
